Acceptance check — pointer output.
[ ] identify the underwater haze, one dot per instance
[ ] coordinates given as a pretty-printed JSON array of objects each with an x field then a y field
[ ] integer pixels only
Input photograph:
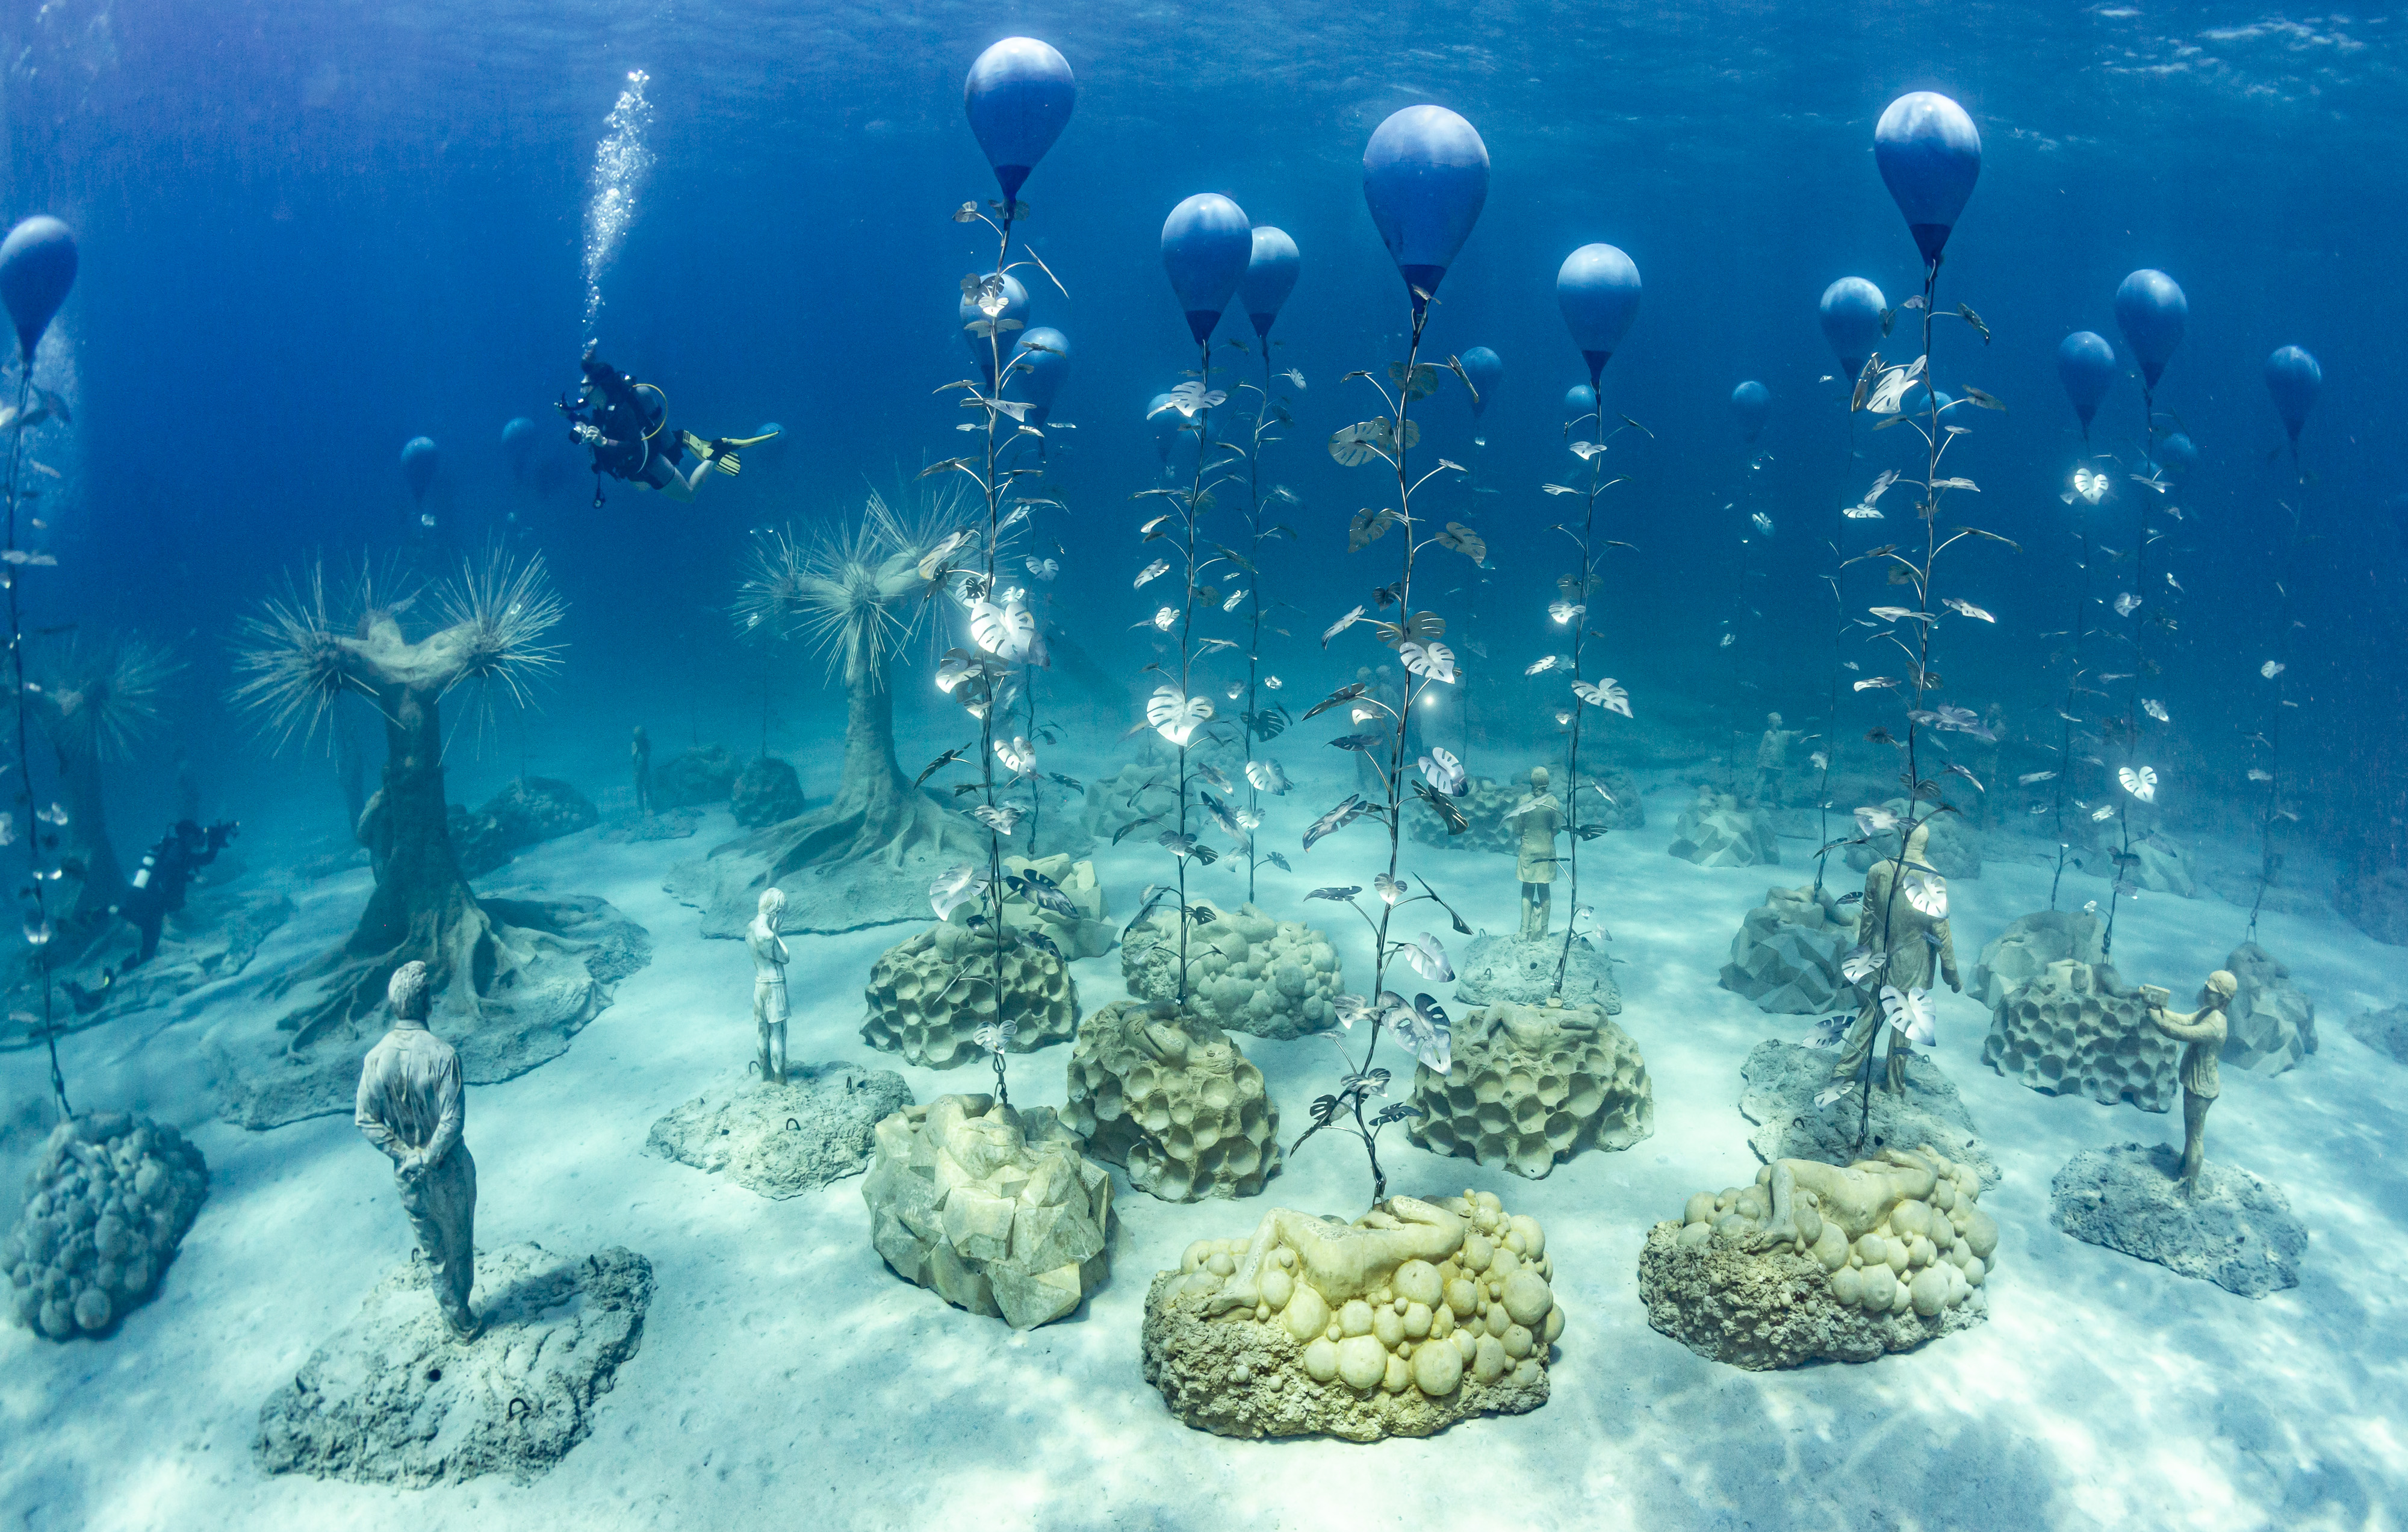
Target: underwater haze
[{"x": 1341, "y": 931}]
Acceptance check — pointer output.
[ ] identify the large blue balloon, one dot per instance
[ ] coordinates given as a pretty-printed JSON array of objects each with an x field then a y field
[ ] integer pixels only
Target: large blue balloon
[
  {"x": 419, "y": 456},
  {"x": 1019, "y": 96},
  {"x": 518, "y": 444},
  {"x": 1206, "y": 247},
  {"x": 1042, "y": 368},
  {"x": 1597, "y": 289},
  {"x": 2085, "y": 365},
  {"x": 38, "y": 266},
  {"x": 1852, "y": 321},
  {"x": 1425, "y": 177},
  {"x": 2151, "y": 311},
  {"x": 1485, "y": 369},
  {"x": 1015, "y": 308},
  {"x": 1271, "y": 277},
  {"x": 1929, "y": 156},
  {"x": 1579, "y": 400},
  {"x": 2177, "y": 455},
  {"x": 2294, "y": 379},
  {"x": 1751, "y": 406}
]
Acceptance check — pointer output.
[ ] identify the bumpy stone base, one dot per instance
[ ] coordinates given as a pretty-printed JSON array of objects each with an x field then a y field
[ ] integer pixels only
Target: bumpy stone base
[
  {"x": 393, "y": 1399},
  {"x": 1786, "y": 954},
  {"x": 2236, "y": 1231},
  {"x": 1173, "y": 1098},
  {"x": 929, "y": 995},
  {"x": 1532, "y": 1086},
  {"x": 784, "y": 1140},
  {"x": 1246, "y": 971},
  {"x": 1512, "y": 968},
  {"x": 2078, "y": 1029},
  {"x": 109, "y": 1200},
  {"x": 1396, "y": 1346},
  {"x": 1780, "y": 1081},
  {"x": 2384, "y": 1031}
]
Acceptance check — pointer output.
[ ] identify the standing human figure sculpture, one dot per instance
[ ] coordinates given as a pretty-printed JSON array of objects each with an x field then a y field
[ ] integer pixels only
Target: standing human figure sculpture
[
  {"x": 2201, "y": 1034},
  {"x": 1889, "y": 923},
  {"x": 412, "y": 1106},
  {"x": 769, "y": 959},
  {"x": 640, "y": 755},
  {"x": 1536, "y": 823},
  {"x": 1772, "y": 761}
]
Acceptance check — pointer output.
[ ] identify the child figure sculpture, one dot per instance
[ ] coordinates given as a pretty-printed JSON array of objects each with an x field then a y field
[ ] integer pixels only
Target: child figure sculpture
[
  {"x": 1540, "y": 819},
  {"x": 1888, "y": 922},
  {"x": 410, "y": 1106},
  {"x": 639, "y": 758},
  {"x": 769, "y": 959},
  {"x": 2202, "y": 1031},
  {"x": 1771, "y": 759}
]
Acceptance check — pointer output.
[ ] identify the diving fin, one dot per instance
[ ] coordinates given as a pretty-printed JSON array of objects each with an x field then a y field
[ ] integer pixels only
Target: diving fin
[{"x": 719, "y": 453}]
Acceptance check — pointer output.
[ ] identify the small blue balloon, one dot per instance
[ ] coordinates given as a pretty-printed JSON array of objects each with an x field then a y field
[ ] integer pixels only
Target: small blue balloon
[
  {"x": 1597, "y": 289},
  {"x": 38, "y": 266},
  {"x": 1424, "y": 178},
  {"x": 1929, "y": 154},
  {"x": 419, "y": 457},
  {"x": 1014, "y": 318},
  {"x": 1206, "y": 247},
  {"x": 518, "y": 444},
  {"x": 2085, "y": 365},
  {"x": 1917, "y": 401},
  {"x": 1852, "y": 321},
  {"x": 1019, "y": 96},
  {"x": 774, "y": 446},
  {"x": 2177, "y": 455},
  {"x": 1041, "y": 369},
  {"x": 1271, "y": 277},
  {"x": 2151, "y": 311},
  {"x": 1485, "y": 369},
  {"x": 2294, "y": 379},
  {"x": 1751, "y": 404},
  {"x": 1579, "y": 400}
]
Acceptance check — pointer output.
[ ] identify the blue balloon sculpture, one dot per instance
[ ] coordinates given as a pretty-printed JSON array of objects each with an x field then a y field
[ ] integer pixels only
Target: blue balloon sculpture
[
  {"x": 1424, "y": 178},
  {"x": 2177, "y": 454},
  {"x": 2151, "y": 311},
  {"x": 518, "y": 444},
  {"x": 1597, "y": 289},
  {"x": 1485, "y": 369},
  {"x": 1751, "y": 406},
  {"x": 1851, "y": 321},
  {"x": 2294, "y": 379},
  {"x": 1014, "y": 316},
  {"x": 38, "y": 266},
  {"x": 1205, "y": 247},
  {"x": 1041, "y": 366},
  {"x": 1930, "y": 155},
  {"x": 1271, "y": 277},
  {"x": 419, "y": 456},
  {"x": 2085, "y": 365},
  {"x": 1019, "y": 96},
  {"x": 1579, "y": 400}
]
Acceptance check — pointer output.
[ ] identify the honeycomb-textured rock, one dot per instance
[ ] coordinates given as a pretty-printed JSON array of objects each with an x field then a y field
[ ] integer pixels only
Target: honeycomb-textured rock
[
  {"x": 1415, "y": 1316},
  {"x": 2270, "y": 1026},
  {"x": 1899, "y": 1258},
  {"x": 1515, "y": 967},
  {"x": 2027, "y": 946},
  {"x": 1171, "y": 1097},
  {"x": 1786, "y": 955},
  {"x": 2078, "y": 1029},
  {"x": 111, "y": 1198},
  {"x": 1090, "y": 934},
  {"x": 1490, "y": 801},
  {"x": 1245, "y": 971},
  {"x": 994, "y": 1210},
  {"x": 1954, "y": 850},
  {"x": 1532, "y": 1086},
  {"x": 1714, "y": 831},
  {"x": 929, "y": 995},
  {"x": 765, "y": 792},
  {"x": 706, "y": 774}
]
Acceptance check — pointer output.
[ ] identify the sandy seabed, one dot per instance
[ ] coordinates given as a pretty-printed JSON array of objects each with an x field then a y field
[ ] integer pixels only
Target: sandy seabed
[{"x": 786, "y": 1377}]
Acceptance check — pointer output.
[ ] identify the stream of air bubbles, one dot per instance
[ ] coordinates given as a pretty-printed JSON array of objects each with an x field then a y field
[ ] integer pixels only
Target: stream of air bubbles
[{"x": 621, "y": 162}]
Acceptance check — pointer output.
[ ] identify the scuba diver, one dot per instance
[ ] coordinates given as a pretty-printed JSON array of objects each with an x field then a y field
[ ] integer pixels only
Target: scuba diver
[
  {"x": 630, "y": 437},
  {"x": 158, "y": 891}
]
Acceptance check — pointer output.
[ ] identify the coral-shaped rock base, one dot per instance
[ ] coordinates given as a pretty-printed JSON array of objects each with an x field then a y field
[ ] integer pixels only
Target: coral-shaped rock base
[
  {"x": 764, "y": 793},
  {"x": 1532, "y": 1086},
  {"x": 109, "y": 1201},
  {"x": 929, "y": 995},
  {"x": 1090, "y": 934},
  {"x": 2235, "y": 1230},
  {"x": 1885, "y": 1272},
  {"x": 2270, "y": 1026},
  {"x": 394, "y": 1399},
  {"x": 706, "y": 774},
  {"x": 1171, "y": 1097},
  {"x": 1246, "y": 971},
  {"x": 784, "y": 1140},
  {"x": 1714, "y": 831},
  {"x": 1785, "y": 955},
  {"x": 1517, "y": 967},
  {"x": 993, "y": 1210},
  {"x": 1416, "y": 1316},
  {"x": 2024, "y": 951},
  {"x": 2078, "y": 1029},
  {"x": 1780, "y": 1081}
]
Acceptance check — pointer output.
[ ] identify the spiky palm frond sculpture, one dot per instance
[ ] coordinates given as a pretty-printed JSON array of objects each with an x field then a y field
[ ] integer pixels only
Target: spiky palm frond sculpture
[{"x": 95, "y": 702}]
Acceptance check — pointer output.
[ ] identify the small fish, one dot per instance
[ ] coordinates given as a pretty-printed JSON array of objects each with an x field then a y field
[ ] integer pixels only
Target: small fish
[
  {"x": 2175, "y": 583},
  {"x": 2030, "y": 776}
]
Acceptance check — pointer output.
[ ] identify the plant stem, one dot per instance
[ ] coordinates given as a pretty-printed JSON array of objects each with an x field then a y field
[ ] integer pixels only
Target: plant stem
[
  {"x": 2140, "y": 668},
  {"x": 2265, "y": 858},
  {"x": 1571, "y": 798},
  {"x": 12, "y": 573}
]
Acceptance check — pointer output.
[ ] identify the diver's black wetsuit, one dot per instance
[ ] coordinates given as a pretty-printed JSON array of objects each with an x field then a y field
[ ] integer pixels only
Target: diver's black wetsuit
[
  {"x": 167, "y": 869},
  {"x": 627, "y": 434}
]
